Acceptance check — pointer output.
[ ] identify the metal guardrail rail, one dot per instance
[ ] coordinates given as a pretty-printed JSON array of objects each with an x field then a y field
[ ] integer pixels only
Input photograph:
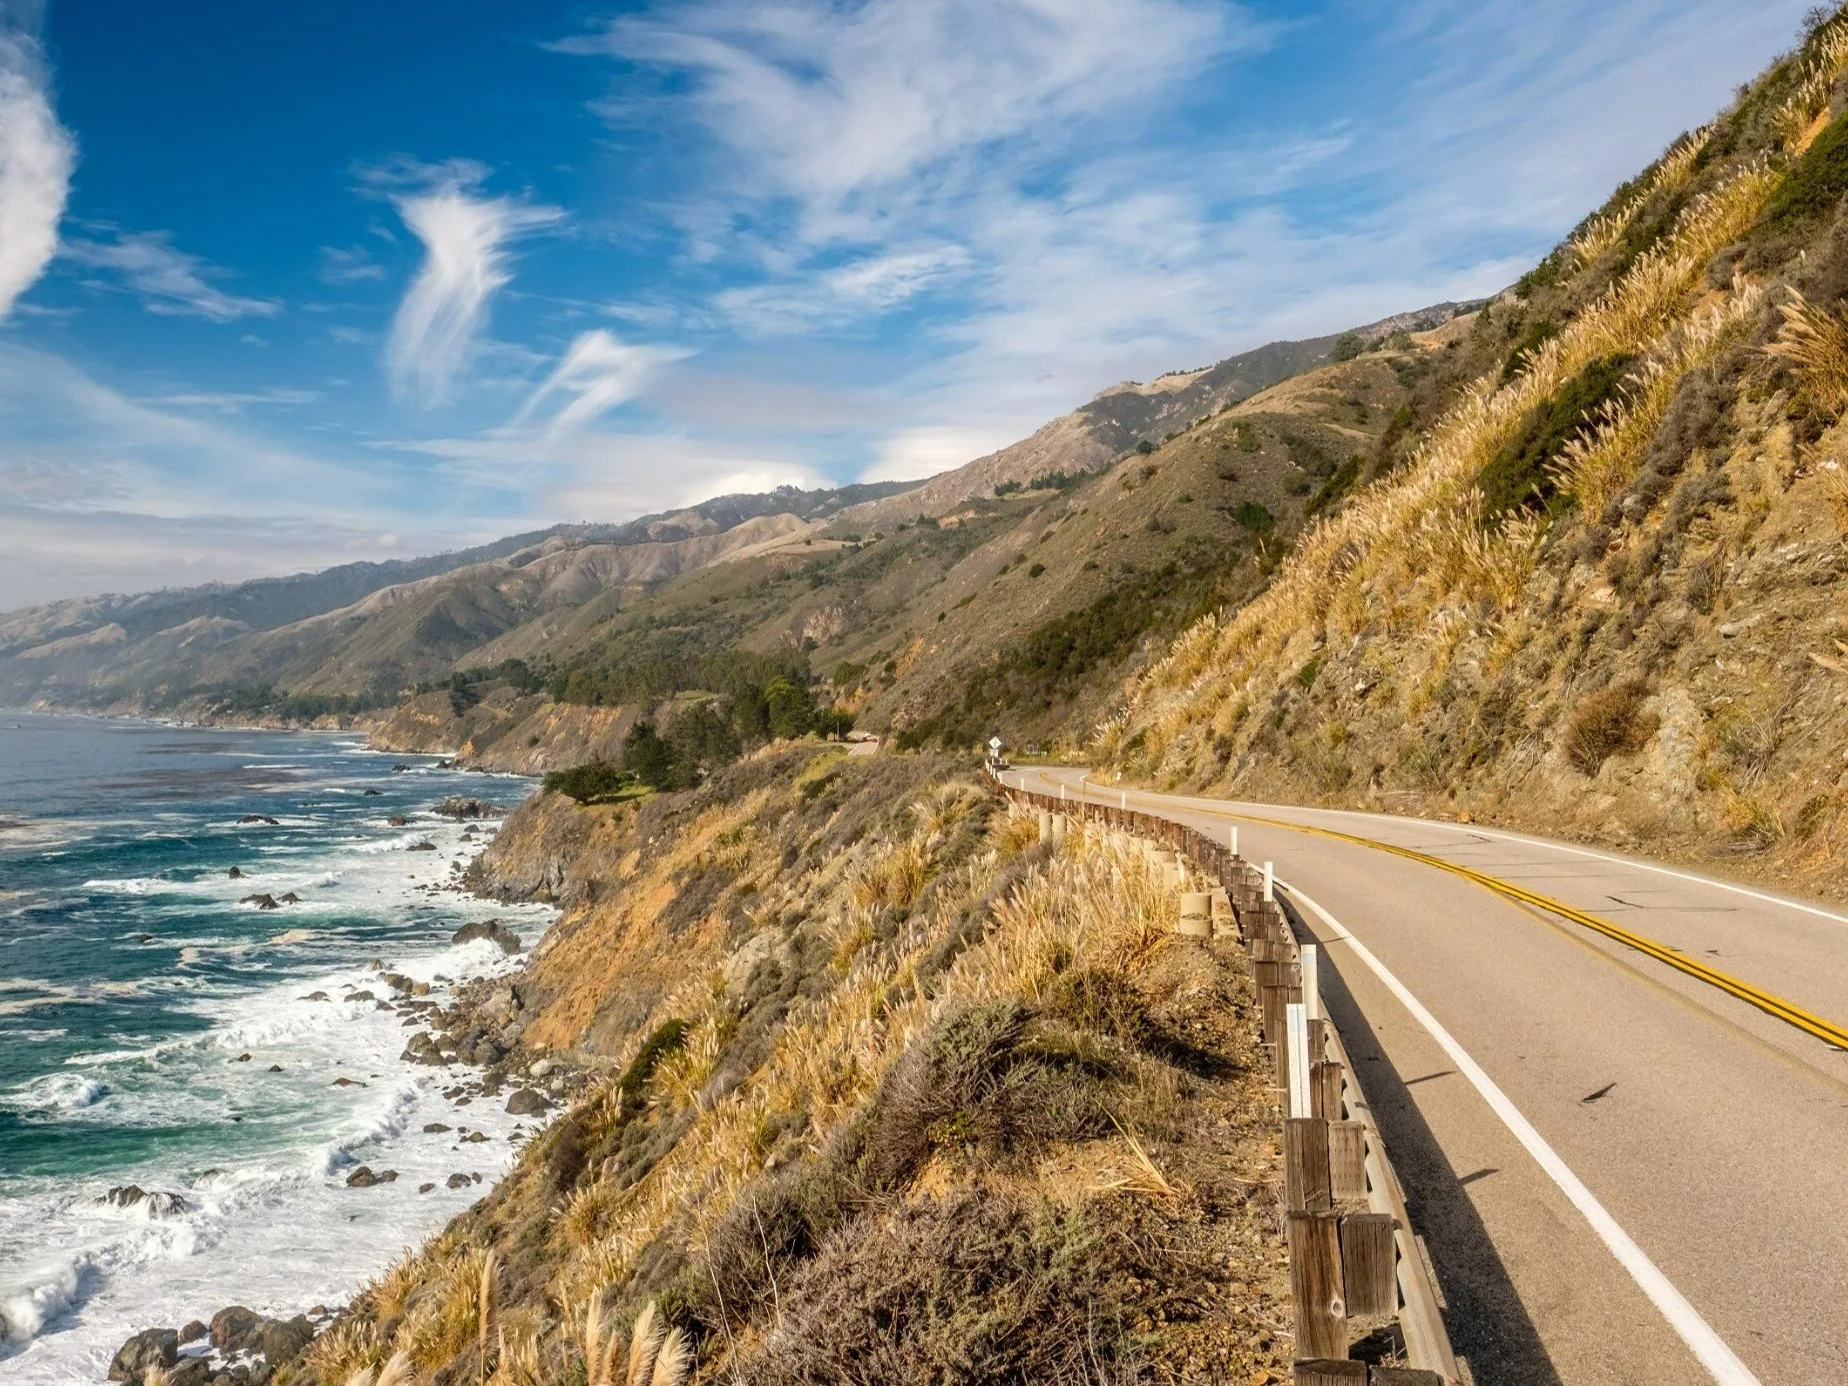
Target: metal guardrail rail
[{"x": 1355, "y": 1263}]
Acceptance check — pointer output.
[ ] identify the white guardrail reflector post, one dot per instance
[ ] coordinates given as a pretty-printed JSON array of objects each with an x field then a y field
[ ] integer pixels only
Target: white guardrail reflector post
[
  {"x": 1296, "y": 1028},
  {"x": 1270, "y": 882},
  {"x": 1312, "y": 996},
  {"x": 1234, "y": 836}
]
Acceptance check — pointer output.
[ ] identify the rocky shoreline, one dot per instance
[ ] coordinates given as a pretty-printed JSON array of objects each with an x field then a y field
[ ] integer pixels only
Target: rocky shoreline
[{"x": 478, "y": 1036}]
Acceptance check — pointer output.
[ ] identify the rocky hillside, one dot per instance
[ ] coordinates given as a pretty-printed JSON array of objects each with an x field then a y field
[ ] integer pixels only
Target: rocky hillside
[
  {"x": 1116, "y": 420},
  {"x": 865, "y": 1084},
  {"x": 1605, "y": 592}
]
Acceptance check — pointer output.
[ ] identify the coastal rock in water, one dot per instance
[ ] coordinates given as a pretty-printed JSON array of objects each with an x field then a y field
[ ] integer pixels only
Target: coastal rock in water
[
  {"x": 460, "y": 808},
  {"x": 458, "y": 1181},
  {"x": 362, "y": 1178},
  {"x": 425, "y": 1188},
  {"x": 193, "y": 1332},
  {"x": 149, "y": 1349},
  {"x": 315, "y": 996},
  {"x": 491, "y": 929},
  {"x": 432, "y": 1128},
  {"x": 192, "y": 1371},
  {"x": 398, "y": 820},
  {"x": 290, "y": 899},
  {"x": 425, "y": 846},
  {"x": 372, "y": 794},
  {"x": 284, "y": 1341},
  {"x": 362, "y": 996},
  {"x": 400, "y": 768},
  {"x": 234, "y": 1329},
  {"x": 527, "y": 1102},
  {"x": 262, "y": 902},
  {"x": 235, "y": 874},
  {"x": 259, "y": 818},
  {"x": 159, "y": 1205}
]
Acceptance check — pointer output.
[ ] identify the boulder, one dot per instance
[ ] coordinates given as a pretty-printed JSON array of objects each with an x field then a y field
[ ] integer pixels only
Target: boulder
[
  {"x": 152, "y": 1348},
  {"x": 527, "y": 1102},
  {"x": 259, "y": 818},
  {"x": 362, "y": 1178},
  {"x": 424, "y": 846},
  {"x": 400, "y": 768},
  {"x": 458, "y": 1181},
  {"x": 425, "y": 1188},
  {"x": 262, "y": 902},
  {"x": 193, "y": 1332},
  {"x": 398, "y": 820},
  {"x": 460, "y": 808},
  {"x": 289, "y": 899},
  {"x": 159, "y": 1205},
  {"x": 234, "y": 1329},
  {"x": 371, "y": 794},
  {"x": 492, "y": 930},
  {"x": 315, "y": 996},
  {"x": 235, "y": 874},
  {"x": 191, "y": 1371},
  {"x": 432, "y": 1128},
  {"x": 282, "y": 1341},
  {"x": 362, "y": 996}
]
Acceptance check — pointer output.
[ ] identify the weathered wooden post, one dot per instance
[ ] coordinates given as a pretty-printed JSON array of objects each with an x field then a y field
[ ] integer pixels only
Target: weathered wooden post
[
  {"x": 1315, "y": 1285},
  {"x": 1045, "y": 825},
  {"x": 1196, "y": 915}
]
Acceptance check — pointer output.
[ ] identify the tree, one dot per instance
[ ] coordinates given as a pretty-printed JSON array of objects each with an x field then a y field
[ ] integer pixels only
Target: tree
[
  {"x": 648, "y": 757},
  {"x": 792, "y": 714}
]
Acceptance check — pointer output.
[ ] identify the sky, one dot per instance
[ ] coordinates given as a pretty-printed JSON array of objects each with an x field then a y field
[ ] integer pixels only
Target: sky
[{"x": 285, "y": 285}]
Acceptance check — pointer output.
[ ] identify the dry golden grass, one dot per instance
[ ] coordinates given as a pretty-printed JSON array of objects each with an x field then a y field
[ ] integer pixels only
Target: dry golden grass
[
  {"x": 1410, "y": 557},
  {"x": 1815, "y": 343}
]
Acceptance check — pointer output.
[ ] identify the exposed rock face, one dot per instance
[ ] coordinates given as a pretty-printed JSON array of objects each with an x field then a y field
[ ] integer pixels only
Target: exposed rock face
[
  {"x": 492, "y": 930},
  {"x": 234, "y": 1328},
  {"x": 282, "y": 1342},
  {"x": 150, "y": 1349}
]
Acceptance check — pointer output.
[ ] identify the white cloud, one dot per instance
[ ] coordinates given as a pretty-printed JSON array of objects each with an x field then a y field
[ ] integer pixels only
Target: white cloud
[
  {"x": 36, "y": 155},
  {"x": 170, "y": 281},
  {"x": 232, "y": 402},
  {"x": 352, "y": 266},
  {"x": 598, "y": 373},
  {"x": 465, "y": 263},
  {"x": 912, "y": 454}
]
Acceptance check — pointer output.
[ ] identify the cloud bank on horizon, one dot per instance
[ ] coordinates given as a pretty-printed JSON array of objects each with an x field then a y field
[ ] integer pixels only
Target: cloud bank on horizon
[{"x": 281, "y": 288}]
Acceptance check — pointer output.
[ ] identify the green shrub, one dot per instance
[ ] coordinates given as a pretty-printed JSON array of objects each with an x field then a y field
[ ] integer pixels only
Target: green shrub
[
  {"x": 1036, "y": 570},
  {"x": 596, "y": 782},
  {"x": 1247, "y": 436},
  {"x": 1254, "y": 517},
  {"x": 1520, "y": 476},
  {"x": 670, "y": 1037},
  {"x": 1816, "y": 186},
  {"x": 1305, "y": 676},
  {"x": 1347, "y": 346}
]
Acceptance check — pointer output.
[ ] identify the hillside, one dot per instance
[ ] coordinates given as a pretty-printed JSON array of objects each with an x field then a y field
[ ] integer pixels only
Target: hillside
[
  {"x": 1604, "y": 595},
  {"x": 951, "y": 617}
]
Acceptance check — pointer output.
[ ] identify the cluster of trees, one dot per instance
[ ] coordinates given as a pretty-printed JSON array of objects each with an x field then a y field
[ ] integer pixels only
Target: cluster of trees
[{"x": 265, "y": 700}]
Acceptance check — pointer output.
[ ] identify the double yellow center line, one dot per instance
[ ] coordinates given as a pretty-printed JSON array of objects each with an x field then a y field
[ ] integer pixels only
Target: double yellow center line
[{"x": 1826, "y": 1031}]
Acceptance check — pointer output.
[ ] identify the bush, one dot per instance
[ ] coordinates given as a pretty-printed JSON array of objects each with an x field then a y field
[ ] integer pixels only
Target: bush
[
  {"x": 1521, "y": 476},
  {"x": 594, "y": 783},
  {"x": 1816, "y": 186},
  {"x": 1610, "y": 722},
  {"x": 1254, "y": 517},
  {"x": 1347, "y": 346}
]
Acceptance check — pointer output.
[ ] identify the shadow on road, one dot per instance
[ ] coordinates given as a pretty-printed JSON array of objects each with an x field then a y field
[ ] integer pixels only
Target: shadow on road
[{"x": 1487, "y": 1322}]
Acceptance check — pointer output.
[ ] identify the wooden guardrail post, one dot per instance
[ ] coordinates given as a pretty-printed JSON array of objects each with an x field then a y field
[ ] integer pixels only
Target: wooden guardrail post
[
  {"x": 1315, "y": 1285},
  {"x": 1305, "y": 1166},
  {"x": 1347, "y": 1161},
  {"x": 1329, "y": 1371},
  {"x": 1369, "y": 1267}
]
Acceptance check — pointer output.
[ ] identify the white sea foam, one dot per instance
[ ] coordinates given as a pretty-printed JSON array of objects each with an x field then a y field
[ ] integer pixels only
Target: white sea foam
[{"x": 277, "y": 1229}]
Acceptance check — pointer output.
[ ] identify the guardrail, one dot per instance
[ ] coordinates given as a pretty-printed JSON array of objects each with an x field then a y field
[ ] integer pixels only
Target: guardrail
[{"x": 1355, "y": 1265}]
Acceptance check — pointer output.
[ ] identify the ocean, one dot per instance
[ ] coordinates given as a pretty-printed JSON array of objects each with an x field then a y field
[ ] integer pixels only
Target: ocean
[{"x": 134, "y": 980}]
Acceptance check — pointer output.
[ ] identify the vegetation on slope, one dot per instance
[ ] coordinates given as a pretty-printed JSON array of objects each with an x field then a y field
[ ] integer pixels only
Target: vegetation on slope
[
  {"x": 909, "y": 1112},
  {"x": 1601, "y": 592}
]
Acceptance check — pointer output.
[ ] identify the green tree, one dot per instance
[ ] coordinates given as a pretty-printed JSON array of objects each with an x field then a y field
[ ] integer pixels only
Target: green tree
[
  {"x": 648, "y": 757},
  {"x": 791, "y": 711}
]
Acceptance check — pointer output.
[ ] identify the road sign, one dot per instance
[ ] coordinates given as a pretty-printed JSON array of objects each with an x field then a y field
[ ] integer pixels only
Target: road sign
[{"x": 994, "y": 743}]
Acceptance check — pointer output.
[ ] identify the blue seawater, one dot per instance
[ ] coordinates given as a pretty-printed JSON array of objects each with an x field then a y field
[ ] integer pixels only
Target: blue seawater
[{"x": 134, "y": 980}]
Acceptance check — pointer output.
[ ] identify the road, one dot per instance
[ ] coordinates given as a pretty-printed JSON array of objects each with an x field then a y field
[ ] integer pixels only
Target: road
[{"x": 1623, "y": 1174}]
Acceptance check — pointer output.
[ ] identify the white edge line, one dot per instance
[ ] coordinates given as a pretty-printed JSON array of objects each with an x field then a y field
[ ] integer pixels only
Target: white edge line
[
  {"x": 1695, "y": 1331},
  {"x": 1472, "y": 829}
]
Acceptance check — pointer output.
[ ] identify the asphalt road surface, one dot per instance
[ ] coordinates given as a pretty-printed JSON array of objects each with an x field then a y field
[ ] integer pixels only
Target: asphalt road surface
[{"x": 1623, "y": 1174}]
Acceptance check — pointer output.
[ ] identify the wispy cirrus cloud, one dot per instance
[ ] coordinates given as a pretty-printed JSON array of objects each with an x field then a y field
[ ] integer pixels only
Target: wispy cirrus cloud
[
  {"x": 465, "y": 236},
  {"x": 598, "y": 373},
  {"x": 168, "y": 280},
  {"x": 348, "y": 265},
  {"x": 36, "y": 157}
]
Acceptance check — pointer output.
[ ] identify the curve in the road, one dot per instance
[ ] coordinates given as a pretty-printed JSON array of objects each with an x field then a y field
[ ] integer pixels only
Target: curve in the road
[{"x": 1789, "y": 1013}]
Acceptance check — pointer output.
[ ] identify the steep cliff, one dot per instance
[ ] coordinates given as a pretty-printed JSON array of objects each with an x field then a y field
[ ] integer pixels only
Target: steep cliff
[{"x": 1605, "y": 594}]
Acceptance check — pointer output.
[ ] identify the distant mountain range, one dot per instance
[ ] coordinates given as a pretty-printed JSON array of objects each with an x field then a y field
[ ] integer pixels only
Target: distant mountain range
[{"x": 571, "y": 594}]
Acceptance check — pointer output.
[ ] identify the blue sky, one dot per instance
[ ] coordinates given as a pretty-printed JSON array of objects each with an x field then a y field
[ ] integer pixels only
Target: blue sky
[{"x": 284, "y": 285}]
